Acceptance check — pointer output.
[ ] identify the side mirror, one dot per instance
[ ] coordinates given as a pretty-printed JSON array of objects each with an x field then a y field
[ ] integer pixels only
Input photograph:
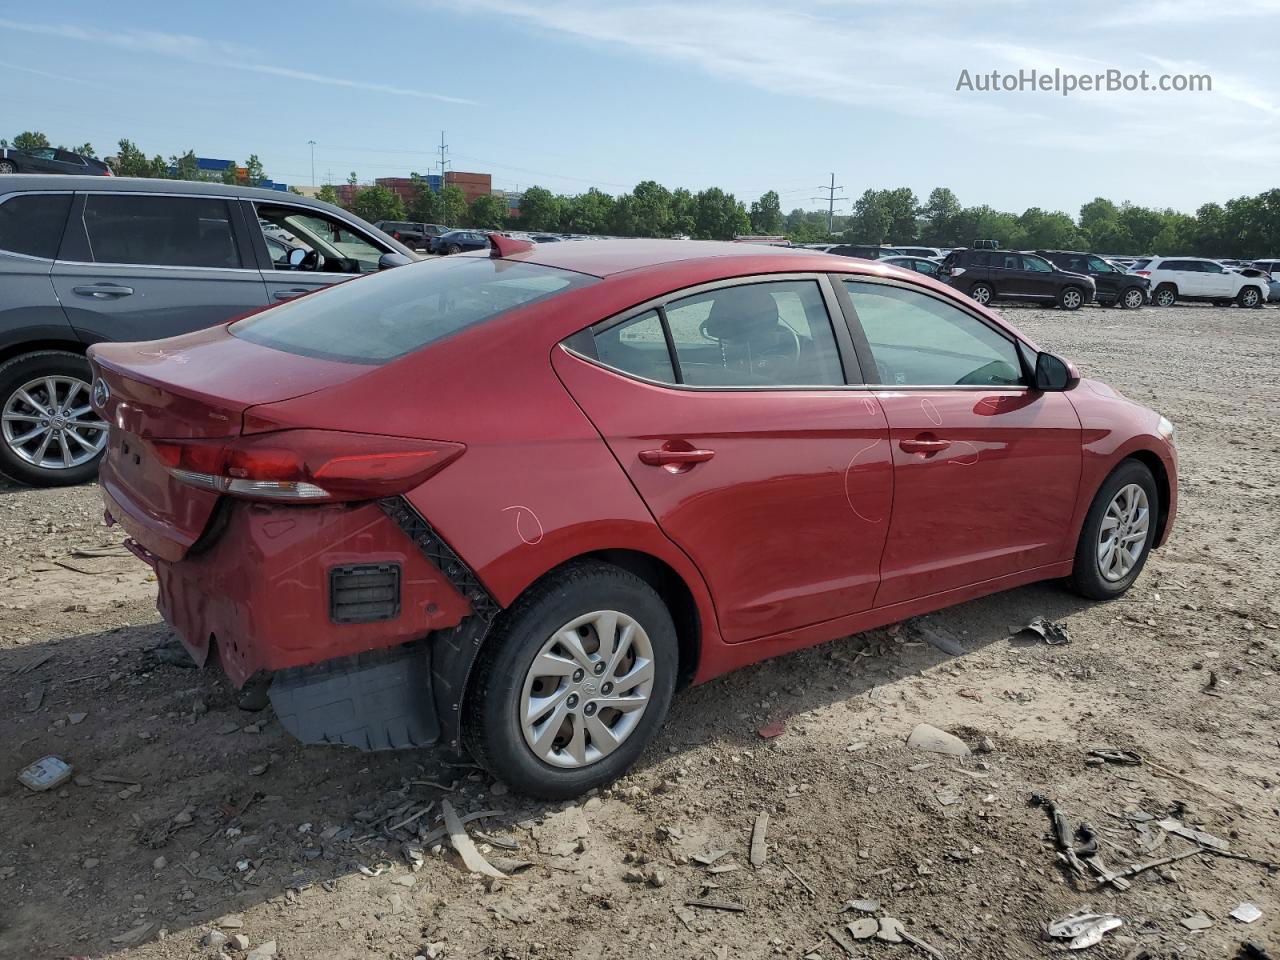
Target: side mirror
[
  {"x": 1053, "y": 374},
  {"x": 389, "y": 260},
  {"x": 296, "y": 256}
]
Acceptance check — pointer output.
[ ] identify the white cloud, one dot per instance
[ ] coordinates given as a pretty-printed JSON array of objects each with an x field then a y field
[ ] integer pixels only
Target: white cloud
[{"x": 211, "y": 52}]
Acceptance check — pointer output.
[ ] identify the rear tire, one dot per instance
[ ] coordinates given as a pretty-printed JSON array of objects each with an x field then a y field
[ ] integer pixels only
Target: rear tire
[
  {"x": 982, "y": 293},
  {"x": 1100, "y": 573},
  {"x": 18, "y": 456},
  {"x": 1249, "y": 297},
  {"x": 1165, "y": 296},
  {"x": 1070, "y": 298},
  {"x": 578, "y": 741}
]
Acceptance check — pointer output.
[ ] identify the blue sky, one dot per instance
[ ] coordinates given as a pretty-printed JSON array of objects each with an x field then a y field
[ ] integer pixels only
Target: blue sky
[{"x": 749, "y": 95}]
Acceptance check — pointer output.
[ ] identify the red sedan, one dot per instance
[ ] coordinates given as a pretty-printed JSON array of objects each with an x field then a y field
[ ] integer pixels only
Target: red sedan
[{"x": 511, "y": 501}]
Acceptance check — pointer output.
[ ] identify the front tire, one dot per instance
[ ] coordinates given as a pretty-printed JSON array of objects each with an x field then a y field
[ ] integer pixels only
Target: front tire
[
  {"x": 1133, "y": 298},
  {"x": 452, "y": 249},
  {"x": 1118, "y": 533},
  {"x": 1071, "y": 298},
  {"x": 982, "y": 293},
  {"x": 49, "y": 434},
  {"x": 1165, "y": 296},
  {"x": 574, "y": 683},
  {"x": 8, "y": 166}
]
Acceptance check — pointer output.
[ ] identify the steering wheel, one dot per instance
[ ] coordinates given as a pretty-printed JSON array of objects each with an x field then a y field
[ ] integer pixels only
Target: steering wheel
[{"x": 312, "y": 261}]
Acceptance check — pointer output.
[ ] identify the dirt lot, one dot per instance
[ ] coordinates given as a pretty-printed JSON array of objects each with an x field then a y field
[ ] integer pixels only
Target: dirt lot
[{"x": 187, "y": 814}]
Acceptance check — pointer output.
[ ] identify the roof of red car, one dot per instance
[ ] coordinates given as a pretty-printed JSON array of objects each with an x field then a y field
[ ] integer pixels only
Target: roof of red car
[{"x": 602, "y": 258}]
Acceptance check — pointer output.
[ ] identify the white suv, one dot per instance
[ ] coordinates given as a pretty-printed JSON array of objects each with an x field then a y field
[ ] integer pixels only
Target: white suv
[{"x": 1195, "y": 278}]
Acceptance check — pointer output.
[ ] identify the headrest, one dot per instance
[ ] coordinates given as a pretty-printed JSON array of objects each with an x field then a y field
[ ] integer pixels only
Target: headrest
[{"x": 742, "y": 313}]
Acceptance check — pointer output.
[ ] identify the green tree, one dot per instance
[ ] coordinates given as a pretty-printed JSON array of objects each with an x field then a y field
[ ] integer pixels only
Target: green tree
[
  {"x": 185, "y": 167},
  {"x": 422, "y": 208},
  {"x": 255, "y": 174},
  {"x": 589, "y": 212},
  {"x": 452, "y": 206},
  {"x": 540, "y": 209},
  {"x": 718, "y": 215},
  {"x": 378, "y": 203},
  {"x": 488, "y": 211},
  {"x": 85, "y": 150},
  {"x": 1052, "y": 231},
  {"x": 30, "y": 140},
  {"x": 328, "y": 193},
  {"x": 132, "y": 162},
  {"x": 352, "y": 179},
  {"x": 650, "y": 210},
  {"x": 683, "y": 213},
  {"x": 230, "y": 173},
  {"x": 766, "y": 214},
  {"x": 939, "y": 215}
]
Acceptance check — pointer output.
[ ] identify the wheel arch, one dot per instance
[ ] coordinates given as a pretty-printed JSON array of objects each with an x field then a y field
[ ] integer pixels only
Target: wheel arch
[
  {"x": 10, "y": 350},
  {"x": 1151, "y": 460}
]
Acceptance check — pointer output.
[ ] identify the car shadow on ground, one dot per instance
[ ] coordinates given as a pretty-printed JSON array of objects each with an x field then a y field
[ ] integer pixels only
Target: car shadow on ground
[{"x": 183, "y": 809}]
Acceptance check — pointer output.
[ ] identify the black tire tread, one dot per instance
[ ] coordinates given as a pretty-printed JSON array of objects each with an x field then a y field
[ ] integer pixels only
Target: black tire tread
[{"x": 1085, "y": 579}]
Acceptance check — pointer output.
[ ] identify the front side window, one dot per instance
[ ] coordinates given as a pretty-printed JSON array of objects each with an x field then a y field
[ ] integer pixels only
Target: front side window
[
  {"x": 1208, "y": 267},
  {"x": 919, "y": 340},
  {"x": 32, "y": 223},
  {"x": 331, "y": 246},
  {"x": 160, "y": 231},
  {"x": 399, "y": 311},
  {"x": 1101, "y": 266},
  {"x": 755, "y": 334},
  {"x": 1036, "y": 265}
]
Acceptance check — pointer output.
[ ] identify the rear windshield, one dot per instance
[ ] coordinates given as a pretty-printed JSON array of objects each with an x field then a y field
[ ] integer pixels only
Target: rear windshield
[{"x": 386, "y": 315}]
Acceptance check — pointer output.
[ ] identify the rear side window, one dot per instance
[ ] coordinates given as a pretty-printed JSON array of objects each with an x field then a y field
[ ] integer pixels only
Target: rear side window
[
  {"x": 392, "y": 313},
  {"x": 160, "y": 231},
  {"x": 32, "y": 223},
  {"x": 638, "y": 347}
]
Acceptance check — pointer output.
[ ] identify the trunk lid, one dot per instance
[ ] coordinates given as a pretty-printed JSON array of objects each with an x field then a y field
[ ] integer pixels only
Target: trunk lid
[{"x": 195, "y": 386}]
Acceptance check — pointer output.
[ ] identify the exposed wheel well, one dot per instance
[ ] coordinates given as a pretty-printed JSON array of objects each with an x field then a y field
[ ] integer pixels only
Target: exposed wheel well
[
  {"x": 32, "y": 346},
  {"x": 1153, "y": 463},
  {"x": 675, "y": 593}
]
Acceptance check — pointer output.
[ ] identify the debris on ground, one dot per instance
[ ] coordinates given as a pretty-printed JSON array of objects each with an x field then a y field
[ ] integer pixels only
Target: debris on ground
[
  {"x": 1125, "y": 758},
  {"x": 472, "y": 858},
  {"x": 1246, "y": 913},
  {"x": 1198, "y": 837},
  {"x": 938, "y": 637},
  {"x": 1197, "y": 921},
  {"x": 45, "y": 774},
  {"x": 1083, "y": 928},
  {"x": 759, "y": 844},
  {"x": 930, "y": 738},
  {"x": 771, "y": 730},
  {"x": 1052, "y": 633}
]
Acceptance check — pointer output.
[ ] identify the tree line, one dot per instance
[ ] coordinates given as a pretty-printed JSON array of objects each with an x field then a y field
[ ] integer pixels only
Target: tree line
[{"x": 1244, "y": 227}]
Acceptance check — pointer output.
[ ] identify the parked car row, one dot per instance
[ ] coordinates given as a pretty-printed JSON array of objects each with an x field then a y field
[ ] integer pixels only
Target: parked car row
[
  {"x": 415, "y": 235},
  {"x": 1200, "y": 279}
]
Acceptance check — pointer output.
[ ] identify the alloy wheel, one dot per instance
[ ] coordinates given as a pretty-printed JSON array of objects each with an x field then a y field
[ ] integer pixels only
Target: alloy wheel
[
  {"x": 982, "y": 295},
  {"x": 1133, "y": 298},
  {"x": 587, "y": 688},
  {"x": 49, "y": 423},
  {"x": 1071, "y": 299},
  {"x": 1250, "y": 298},
  {"x": 1123, "y": 535},
  {"x": 1165, "y": 298}
]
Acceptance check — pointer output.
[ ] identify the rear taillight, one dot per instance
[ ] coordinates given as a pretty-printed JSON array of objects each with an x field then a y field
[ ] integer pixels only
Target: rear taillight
[
  {"x": 953, "y": 271},
  {"x": 306, "y": 466},
  {"x": 1142, "y": 273}
]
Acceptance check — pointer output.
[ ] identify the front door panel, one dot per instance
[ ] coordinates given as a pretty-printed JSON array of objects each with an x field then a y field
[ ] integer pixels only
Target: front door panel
[
  {"x": 989, "y": 492},
  {"x": 787, "y": 519}
]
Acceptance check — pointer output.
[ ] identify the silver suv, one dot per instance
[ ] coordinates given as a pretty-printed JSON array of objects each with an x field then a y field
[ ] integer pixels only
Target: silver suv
[{"x": 85, "y": 259}]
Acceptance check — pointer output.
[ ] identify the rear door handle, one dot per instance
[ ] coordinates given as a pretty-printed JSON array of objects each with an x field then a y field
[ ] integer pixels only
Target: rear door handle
[
  {"x": 664, "y": 457},
  {"x": 104, "y": 291},
  {"x": 923, "y": 445},
  {"x": 290, "y": 294}
]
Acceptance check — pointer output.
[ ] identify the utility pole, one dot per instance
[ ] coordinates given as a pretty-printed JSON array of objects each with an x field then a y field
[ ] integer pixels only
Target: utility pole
[
  {"x": 444, "y": 150},
  {"x": 312, "y": 144},
  {"x": 831, "y": 201}
]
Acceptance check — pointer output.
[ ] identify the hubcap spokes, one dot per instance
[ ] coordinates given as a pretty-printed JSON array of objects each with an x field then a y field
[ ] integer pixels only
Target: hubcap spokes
[
  {"x": 587, "y": 688},
  {"x": 49, "y": 423},
  {"x": 1123, "y": 536}
]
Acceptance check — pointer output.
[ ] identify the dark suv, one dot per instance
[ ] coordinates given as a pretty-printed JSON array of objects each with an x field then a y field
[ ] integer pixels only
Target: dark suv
[
  {"x": 988, "y": 275},
  {"x": 416, "y": 235},
  {"x": 85, "y": 259},
  {"x": 51, "y": 160},
  {"x": 1115, "y": 286}
]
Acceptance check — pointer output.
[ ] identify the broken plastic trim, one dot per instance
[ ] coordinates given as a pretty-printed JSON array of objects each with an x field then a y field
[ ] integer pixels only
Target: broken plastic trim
[{"x": 433, "y": 547}]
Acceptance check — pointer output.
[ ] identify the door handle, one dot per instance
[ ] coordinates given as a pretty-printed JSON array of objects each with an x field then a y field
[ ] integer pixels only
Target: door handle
[
  {"x": 665, "y": 458},
  {"x": 103, "y": 291},
  {"x": 290, "y": 294},
  {"x": 925, "y": 445}
]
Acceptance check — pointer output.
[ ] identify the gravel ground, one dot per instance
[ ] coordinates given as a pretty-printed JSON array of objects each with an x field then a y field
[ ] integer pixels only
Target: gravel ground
[{"x": 187, "y": 815}]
